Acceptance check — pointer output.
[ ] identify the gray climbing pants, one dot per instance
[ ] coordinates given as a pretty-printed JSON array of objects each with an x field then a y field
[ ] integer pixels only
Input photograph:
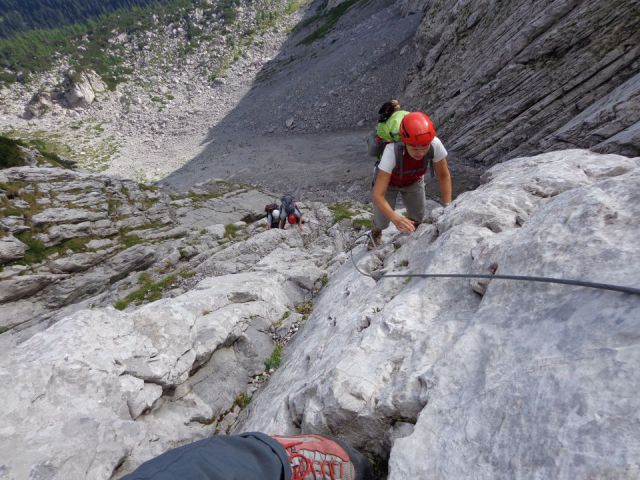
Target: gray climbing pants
[{"x": 413, "y": 198}]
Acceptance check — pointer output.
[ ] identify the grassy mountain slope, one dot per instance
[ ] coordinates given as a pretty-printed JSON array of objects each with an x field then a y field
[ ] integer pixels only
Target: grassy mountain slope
[
  {"x": 19, "y": 16},
  {"x": 90, "y": 44}
]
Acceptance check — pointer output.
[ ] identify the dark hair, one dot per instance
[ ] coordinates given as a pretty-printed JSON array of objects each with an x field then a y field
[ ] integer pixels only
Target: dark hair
[{"x": 387, "y": 109}]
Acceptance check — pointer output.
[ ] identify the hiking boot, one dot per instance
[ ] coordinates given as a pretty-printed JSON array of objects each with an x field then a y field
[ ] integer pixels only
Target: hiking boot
[
  {"x": 375, "y": 239},
  {"x": 316, "y": 457}
]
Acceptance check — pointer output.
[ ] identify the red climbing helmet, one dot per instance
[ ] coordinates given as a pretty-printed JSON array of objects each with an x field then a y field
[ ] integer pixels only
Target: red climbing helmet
[
  {"x": 416, "y": 129},
  {"x": 292, "y": 219}
]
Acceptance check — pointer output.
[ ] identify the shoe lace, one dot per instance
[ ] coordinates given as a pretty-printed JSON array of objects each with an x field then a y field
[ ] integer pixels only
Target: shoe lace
[{"x": 301, "y": 465}]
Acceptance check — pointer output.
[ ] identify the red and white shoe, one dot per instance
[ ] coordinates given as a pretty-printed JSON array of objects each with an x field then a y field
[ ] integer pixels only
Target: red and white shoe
[{"x": 315, "y": 457}]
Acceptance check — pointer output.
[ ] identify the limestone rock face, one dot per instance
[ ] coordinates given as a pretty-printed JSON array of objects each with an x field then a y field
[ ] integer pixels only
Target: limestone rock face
[
  {"x": 65, "y": 218},
  {"x": 522, "y": 380},
  {"x": 102, "y": 391},
  {"x": 527, "y": 77},
  {"x": 491, "y": 379}
]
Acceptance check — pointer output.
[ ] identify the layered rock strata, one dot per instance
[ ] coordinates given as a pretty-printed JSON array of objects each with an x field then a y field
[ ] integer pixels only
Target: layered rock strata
[
  {"x": 68, "y": 236},
  {"x": 514, "y": 78}
]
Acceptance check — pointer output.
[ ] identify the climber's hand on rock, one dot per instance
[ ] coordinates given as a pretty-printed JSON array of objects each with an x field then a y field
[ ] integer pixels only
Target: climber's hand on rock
[{"x": 403, "y": 224}]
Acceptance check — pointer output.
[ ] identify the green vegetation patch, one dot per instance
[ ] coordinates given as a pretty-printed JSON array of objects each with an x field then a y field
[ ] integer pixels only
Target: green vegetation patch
[
  {"x": 35, "y": 51},
  {"x": 149, "y": 291},
  {"x": 187, "y": 273},
  {"x": 275, "y": 359},
  {"x": 146, "y": 187},
  {"x": 12, "y": 189},
  {"x": 10, "y": 154},
  {"x": 198, "y": 198},
  {"x": 231, "y": 231},
  {"x": 38, "y": 252},
  {"x": 328, "y": 21},
  {"x": 131, "y": 240},
  {"x": 112, "y": 206},
  {"x": 360, "y": 223},
  {"x": 242, "y": 400},
  {"x": 304, "y": 308},
  {"x": 295, "y": 5},
  {"x": 23, "y": 192},
  {"x": 341, "y": 211}
]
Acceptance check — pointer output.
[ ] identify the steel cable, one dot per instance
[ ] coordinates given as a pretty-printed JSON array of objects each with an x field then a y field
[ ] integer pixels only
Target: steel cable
[{"x": 527, "y": 278}]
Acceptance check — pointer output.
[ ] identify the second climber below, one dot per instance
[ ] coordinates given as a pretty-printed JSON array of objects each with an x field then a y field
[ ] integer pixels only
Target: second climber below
[
  {"x": 401, "y": 171},
  {"x": 289, "y": 212}
]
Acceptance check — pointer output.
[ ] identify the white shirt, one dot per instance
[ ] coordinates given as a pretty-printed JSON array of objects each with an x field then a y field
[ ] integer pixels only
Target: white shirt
[{"x": 388, "y": 159}]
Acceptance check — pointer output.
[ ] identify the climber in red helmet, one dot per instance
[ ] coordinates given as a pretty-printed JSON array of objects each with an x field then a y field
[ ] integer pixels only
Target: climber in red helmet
[
  {"x": 401, "y": 171},
  {"x": 289, "y": 212}
]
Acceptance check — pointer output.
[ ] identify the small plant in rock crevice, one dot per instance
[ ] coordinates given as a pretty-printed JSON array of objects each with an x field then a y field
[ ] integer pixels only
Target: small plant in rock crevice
[
  {"x": 281, "y": 320},
  {"x": 360, "y": 223},
  {"x": 231, "y": 231},
  {"x": 242, "y": 400},
  {"x": 304, "y": 308},
  {"x": 275, "y": 359},
  {"x": 148, "y": 292},
  {"x": 341, "y": 211}
]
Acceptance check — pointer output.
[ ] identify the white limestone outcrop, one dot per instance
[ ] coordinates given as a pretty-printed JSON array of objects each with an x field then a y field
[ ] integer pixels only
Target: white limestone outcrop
[
  {"x": 101, "y": 390},
  {"x": 438, "y": 377},
  {"x": 528, "y": 380}
]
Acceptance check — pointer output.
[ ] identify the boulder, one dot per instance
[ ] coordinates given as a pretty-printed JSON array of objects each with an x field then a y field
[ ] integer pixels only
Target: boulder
[
  {"x": 78, "y": 89},
  {"x": 39, "y": 105},
  {"x": 11, "y": 249}
]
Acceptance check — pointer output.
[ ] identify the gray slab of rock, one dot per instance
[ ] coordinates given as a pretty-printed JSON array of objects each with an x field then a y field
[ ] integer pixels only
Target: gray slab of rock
[
  {"x": 25, "y": 285},
  {"x": 16, "y": 313},
  {"x": 60, "y": 233},
  {"x": 514, "y": 78},
  {"x": 217, "y": 230},
  {"x": 14, "y": 224},
  {"x": 225, "y": 210},
  {"x": 77, "y": 262},
  {"x": 176, "y": 232},
  {"x": 78, "y": 90},
  {"x": 138, "y": 257},
  {"x": 11, "y": 249},
  {"x": 99, "y": 244},
  {"x": 65, "y": 215}
]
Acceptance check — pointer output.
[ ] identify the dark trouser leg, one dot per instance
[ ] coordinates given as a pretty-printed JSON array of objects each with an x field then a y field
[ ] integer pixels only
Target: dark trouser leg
[{"x": 250, "y": 456}]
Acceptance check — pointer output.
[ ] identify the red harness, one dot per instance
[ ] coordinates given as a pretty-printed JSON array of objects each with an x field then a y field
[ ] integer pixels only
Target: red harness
[{"x": 408, "y": 170}]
